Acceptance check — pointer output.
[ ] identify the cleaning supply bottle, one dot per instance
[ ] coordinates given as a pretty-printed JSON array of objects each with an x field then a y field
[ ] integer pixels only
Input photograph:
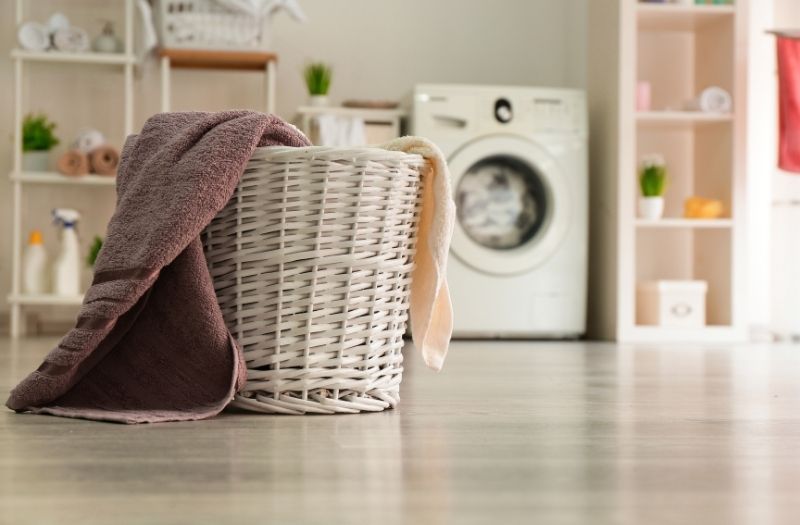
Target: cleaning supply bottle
[
  {"x": 34, "y": 265},
  {"x": 67, "y": 266}
]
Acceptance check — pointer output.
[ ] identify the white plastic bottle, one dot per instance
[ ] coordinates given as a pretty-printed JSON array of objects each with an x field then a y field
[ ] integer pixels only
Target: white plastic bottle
[
  {"x": 67, "y": 266},
  {"x": 34, "y": 266}
]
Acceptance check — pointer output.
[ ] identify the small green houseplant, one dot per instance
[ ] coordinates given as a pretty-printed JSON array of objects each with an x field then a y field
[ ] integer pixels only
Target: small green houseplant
[
  {"x": 318, "y": 81},
  {"x": 653, "y": 184},
  {"x": 94, "y": 250},
  {"x": 38, "y": 138}
]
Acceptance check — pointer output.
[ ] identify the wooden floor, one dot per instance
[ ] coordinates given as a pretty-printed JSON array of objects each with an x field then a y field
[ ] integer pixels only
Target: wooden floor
[{"x": 534, "y": 433}]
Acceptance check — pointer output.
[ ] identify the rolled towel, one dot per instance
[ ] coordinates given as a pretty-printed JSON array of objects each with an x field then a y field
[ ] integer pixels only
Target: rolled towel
[
  {"x": 104, "y": 160},
  {"x": 88, "y": 140},
  {"x": 712, "y": 100},
  {"x": 73, "y": 163}
]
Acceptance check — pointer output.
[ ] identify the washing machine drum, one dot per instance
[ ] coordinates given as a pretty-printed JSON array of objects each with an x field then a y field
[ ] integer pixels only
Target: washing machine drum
[{"x": 513, "y": 206}]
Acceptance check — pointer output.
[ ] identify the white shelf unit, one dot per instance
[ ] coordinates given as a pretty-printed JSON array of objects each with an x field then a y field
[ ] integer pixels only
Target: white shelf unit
[
  {"x": 21, "y": 179},
  {"x": 680, "y": 50}
]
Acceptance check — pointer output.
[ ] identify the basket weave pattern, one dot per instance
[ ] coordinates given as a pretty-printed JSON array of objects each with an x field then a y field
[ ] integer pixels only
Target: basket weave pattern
[{"x": 311, "y": 261}]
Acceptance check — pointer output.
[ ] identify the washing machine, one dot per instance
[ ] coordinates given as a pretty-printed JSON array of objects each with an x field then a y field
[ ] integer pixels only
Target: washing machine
[{"x": 518, "y": 160}]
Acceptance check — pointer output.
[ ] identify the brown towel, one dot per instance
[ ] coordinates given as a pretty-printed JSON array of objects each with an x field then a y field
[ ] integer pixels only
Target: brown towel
[
  {"x": 150, "y": 343},
  {"x": 104, "y": 160},
  {"x": 73, "y": 163}
]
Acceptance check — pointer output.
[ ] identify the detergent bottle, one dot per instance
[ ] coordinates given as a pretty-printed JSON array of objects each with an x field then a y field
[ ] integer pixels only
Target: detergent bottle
[
  {"x": 67, "y": 265},
  {"x": 35, "y": 277}
]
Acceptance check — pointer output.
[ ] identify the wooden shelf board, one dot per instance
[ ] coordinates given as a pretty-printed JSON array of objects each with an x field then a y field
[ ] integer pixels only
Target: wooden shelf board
[
  {"x": 209, "y": 59},
  {"x": 679, "y": 222},
  {"x": 81, "y": 58},
  {"x": 667, "y": 17},
  {"x": 46, "y": 299},
  {"x": 682, "y": 118},
  {"x": 667, "y": 335},
  {"x": 49, "y": 177},
  {"x": 366, "y": 113}
]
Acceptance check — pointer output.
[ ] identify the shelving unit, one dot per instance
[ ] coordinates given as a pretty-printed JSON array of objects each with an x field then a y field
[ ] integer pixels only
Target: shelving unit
[
  {"x": 21, "y": 180},
  {"x": 263, "y": 61},
  {"x": 680, "y": 50}
]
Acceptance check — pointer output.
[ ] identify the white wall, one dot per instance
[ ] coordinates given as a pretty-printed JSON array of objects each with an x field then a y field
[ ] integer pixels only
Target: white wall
[
  {"x": 378, "y": 48},
  {"x": 774, "y": 254}
]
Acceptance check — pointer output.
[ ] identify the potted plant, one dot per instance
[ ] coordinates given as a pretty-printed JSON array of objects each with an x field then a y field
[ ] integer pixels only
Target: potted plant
[
  {"x": 37, "y": 141},
  {"x": 318, "y": 81},
  {"x": 652, "y": 181}
]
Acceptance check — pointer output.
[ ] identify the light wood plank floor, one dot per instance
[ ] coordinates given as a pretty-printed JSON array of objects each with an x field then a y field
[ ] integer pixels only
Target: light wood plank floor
[{"x": 535, "y": 433}]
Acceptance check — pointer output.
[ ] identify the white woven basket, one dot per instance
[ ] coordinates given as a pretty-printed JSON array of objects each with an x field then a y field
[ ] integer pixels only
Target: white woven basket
[
  {"x": 311, "y": 261},
  {"x": 205, "y": 24}
]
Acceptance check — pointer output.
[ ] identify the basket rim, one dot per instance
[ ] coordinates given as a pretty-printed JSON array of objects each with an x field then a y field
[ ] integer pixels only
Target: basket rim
[{"x": 372, "y": 153}]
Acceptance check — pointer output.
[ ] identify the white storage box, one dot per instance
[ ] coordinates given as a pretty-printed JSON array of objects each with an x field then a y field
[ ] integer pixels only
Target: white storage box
[{"x": 678, "y": 304}]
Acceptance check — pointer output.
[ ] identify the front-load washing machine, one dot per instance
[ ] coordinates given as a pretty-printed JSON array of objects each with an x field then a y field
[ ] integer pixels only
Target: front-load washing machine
[{"x": 518, "y": 160}]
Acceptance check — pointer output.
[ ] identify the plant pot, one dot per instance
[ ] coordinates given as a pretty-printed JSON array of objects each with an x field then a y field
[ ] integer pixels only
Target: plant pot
[
  {"x": 317, "y": 101},
  {"x": 36, "y": 160},
  {"x": 651, "y": 208}
]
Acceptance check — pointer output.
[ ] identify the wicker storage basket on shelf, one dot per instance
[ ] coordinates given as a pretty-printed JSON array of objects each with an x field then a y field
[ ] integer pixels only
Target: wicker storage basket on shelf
[
  {"x": 311, "y": 261},
  {"x": 204, "y": 24}
]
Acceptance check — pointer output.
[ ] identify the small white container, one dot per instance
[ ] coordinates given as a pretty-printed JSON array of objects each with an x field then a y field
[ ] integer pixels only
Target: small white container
[{"x": 676, "y": 304}]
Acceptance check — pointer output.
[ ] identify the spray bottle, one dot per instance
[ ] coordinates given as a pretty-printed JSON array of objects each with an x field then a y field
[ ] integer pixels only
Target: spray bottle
[{"x": 67, "y": 266}]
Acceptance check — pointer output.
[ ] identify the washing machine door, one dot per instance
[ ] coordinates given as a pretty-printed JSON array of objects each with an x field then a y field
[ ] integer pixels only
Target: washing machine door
[{"x": 513, "y": 204}]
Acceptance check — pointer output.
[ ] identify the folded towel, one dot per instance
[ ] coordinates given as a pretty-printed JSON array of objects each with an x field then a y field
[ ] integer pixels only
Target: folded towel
[
  {"x": 340, "y": 132},
  {"x": 87, "y": 140},
  {"x": 431, "y": 311},
  {"x": 150, "y": 343},
  {"x": 73, "y": 163},
  {"x": 104, "y": 160}
]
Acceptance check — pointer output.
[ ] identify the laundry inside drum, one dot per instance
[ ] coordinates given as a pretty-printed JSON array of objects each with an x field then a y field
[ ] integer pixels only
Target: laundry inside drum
[{"x": 502, "y": 202}]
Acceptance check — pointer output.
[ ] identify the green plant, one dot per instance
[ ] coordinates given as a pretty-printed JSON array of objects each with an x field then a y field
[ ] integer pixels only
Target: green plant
[
  {"x": 37, "y": 133},
  {"x": 94, "y": 249},
  {"x": 318, "y": 78},
  {"x": 653, "y": 177}
]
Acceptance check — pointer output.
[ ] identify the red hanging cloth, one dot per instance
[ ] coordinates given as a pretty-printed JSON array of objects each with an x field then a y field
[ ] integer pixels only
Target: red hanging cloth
[{"x": 789, "y": 91}]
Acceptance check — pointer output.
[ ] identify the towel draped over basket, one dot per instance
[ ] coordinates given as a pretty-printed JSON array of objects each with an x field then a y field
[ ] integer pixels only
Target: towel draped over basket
[{"x": 150, "y": 343}]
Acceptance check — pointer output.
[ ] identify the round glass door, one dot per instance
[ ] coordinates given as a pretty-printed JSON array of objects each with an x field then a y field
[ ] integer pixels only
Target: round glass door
[
  {"x": 502, "y": 202},
  {"x": 513, "y": 204}
]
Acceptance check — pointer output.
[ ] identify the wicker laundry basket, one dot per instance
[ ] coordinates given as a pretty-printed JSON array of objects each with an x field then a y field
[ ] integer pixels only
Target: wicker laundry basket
[{"x": 311, "y": 261}]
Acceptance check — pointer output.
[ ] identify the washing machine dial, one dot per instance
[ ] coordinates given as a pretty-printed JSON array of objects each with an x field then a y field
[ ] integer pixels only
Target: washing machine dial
[{"x": 502, "y": 111}]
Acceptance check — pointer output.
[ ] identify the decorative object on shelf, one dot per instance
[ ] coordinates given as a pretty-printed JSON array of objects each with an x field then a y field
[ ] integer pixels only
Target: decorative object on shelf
[
  {"x": 94, "y": 250},
  {"x": 104, "y": 160},
  {"x": 371, "y": 104},
  {"x": 644, "y": 96},
  {"x": 702, "y": 208},
  {"x": 241, "y": 25},
  {"x": 38, "y": 138},
  {"x": 107, "y": 41},
  {"x": 318, "y": 81},
  {"x": 712, "y": 100},
  {"x": 71, "y": 40},
  {"x": 33, "y": 36},
  {"x": 66, "y": 267},
  {"x": 34, "y": 265},
  {"x": 673, "y": 304},
  {"x": 73, "y": 163},
  {"x": 57, "y": 21},
  {"x": 652, "y": 181}
]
